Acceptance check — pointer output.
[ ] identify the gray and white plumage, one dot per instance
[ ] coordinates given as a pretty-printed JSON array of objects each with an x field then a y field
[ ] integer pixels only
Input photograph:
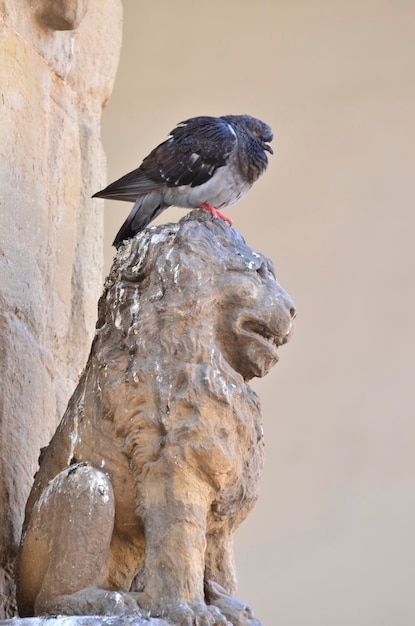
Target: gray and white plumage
[{"x": 208, "y": 162}]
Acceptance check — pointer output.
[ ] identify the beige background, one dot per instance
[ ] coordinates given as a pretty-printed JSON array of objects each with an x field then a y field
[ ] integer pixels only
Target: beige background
[{"x": 332, "y": 539}]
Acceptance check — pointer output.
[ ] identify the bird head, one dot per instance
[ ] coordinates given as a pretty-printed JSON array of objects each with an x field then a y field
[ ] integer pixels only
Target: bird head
[
  {"x": 256, "y": 130},
  {"x": 253, "y": 139}
]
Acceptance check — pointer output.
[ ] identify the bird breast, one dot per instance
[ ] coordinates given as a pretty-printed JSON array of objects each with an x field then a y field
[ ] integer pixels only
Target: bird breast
[{"x": 224, "y": 188}]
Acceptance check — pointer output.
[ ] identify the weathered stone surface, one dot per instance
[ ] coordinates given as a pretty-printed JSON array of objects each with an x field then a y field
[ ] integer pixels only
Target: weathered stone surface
[
  {"x": 158, "y": 457},
  {"x": 54, "y": 85},
  {"x": 85, "y": 620}
]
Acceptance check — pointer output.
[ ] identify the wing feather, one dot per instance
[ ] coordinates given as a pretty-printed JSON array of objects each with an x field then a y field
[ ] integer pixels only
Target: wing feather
[{"x": 195, "y": 149}]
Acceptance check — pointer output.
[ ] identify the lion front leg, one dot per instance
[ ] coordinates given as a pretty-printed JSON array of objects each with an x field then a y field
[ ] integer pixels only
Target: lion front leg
[
  {"x": 219, "y": 560},
  {"x": 173, "y": 506},
  {"x": 64, "y": 552},
  {"x": 220, "y": 579}
]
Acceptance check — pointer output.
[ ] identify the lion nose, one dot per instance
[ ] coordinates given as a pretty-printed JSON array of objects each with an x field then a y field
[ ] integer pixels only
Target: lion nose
[
  {"x": 291, "y": 314},
  {"x": 289, "y": 304}
]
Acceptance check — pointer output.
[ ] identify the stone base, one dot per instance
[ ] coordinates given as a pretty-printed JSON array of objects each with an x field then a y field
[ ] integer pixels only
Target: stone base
[{"x": 85, "y": 620}]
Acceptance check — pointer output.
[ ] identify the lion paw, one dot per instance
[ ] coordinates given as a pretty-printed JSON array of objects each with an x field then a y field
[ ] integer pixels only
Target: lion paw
[
  {"x": 90, "y": 601},
  {"x": 237, "y": 612},
  {"x": 194, "y": 614}
]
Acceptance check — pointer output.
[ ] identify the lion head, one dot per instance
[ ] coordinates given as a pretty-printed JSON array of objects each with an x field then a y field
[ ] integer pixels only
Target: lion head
[{"x": 208, "y": 299}]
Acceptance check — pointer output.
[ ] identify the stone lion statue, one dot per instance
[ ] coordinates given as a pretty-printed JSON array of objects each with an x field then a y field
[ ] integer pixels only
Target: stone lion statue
[{"x": 158, "y": 456}]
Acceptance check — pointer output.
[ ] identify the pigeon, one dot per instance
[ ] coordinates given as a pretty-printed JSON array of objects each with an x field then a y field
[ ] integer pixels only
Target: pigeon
[{"x": 206, "y": 162}]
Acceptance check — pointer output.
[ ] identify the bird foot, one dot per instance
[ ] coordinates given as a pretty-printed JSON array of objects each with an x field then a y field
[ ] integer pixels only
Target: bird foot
[{"x": 216, "y": 213}]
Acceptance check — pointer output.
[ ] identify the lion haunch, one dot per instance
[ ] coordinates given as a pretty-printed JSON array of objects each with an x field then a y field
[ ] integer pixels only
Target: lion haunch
[{"x": 158, "y": 456}]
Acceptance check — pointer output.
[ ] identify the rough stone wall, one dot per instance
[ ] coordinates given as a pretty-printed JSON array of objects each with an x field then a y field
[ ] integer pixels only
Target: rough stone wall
[{"x": 57, "y": 66}]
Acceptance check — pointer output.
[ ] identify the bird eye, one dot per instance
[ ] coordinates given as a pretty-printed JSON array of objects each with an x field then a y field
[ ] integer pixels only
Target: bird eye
[{"x": 257, "y": 132}]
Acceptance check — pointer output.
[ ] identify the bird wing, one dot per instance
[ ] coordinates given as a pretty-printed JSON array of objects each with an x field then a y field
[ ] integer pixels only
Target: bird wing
[
  {"x": 193, "y": 152},
  {"x": 195, "y": 149},
  {"x": 129, "y": 187}
]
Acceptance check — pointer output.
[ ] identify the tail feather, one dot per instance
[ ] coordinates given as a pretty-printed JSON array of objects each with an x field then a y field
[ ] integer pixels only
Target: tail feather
[
  {"x": 146, "y": 208},
  {"x": 129, "y": 187}
]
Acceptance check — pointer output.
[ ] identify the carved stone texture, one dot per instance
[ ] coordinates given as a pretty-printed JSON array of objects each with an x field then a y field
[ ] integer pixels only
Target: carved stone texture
[
  {"x": 158, "y": 457},
  {"x": 53, "y": 87}
]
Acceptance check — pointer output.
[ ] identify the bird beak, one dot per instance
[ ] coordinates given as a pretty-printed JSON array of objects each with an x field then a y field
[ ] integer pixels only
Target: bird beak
[{"x": 267, "y": 147}]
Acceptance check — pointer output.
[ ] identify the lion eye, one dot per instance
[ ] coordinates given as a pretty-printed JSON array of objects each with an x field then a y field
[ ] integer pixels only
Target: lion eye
[{"x": 262, "y": 270}]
